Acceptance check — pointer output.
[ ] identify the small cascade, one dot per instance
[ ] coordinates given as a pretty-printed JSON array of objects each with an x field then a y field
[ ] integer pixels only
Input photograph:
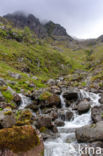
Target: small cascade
[
  {"x": 63, "y": 104},
  {"x": 25, "y": 101},
  {"x": 66, "y": 144}
]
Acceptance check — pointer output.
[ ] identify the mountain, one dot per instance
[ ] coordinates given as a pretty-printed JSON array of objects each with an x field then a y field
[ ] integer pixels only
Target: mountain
[{"x": 21, "y": 20}]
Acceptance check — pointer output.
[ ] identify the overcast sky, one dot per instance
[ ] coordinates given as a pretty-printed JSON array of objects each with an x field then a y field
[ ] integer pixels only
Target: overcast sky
[{"x": 81, "y": 18}]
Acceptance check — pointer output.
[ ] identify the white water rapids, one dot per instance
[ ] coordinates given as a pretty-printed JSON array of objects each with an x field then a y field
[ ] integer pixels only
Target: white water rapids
[{"x": 66, "y": 144}]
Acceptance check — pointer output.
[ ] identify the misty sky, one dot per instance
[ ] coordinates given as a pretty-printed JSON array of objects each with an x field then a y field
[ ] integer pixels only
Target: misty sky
[{"x": 81, "y": 18}]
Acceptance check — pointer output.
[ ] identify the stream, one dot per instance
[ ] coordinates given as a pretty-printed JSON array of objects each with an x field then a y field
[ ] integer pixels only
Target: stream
[{"x": 66, "y": 144}]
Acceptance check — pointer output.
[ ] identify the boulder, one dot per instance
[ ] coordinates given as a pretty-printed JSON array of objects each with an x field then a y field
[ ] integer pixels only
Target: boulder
[
  {"x": 7, "y": 118},
  {"x": 17, "y": 99},
  {"x": 53, "y": 100},
  {"x": 90, "y": 133},
  {"x": 97, "y": 113},
  {"x": 83, "y": 106},
  {"x": 24, "y": 141},
  {"x": 65, "y": 115},
  {"x": 44, "y": 121},
  {"x": 59, "y": 123},
  {"x": 71, "y": 96}
]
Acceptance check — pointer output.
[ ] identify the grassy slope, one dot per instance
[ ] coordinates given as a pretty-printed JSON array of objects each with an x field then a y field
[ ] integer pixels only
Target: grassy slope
[{"x": 41, "y": 58}]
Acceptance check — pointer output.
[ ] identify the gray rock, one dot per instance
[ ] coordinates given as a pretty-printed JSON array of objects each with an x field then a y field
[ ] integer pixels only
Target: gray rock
[
  {"x": 7, "y": 120},
  {"x": 90, "y": 133},
  {"x": 97, "y": 113},
  {"x": 17, "y": 99},
  {"x": 83, "y": 106},
  {"x": 59, "y": 123},
  {"x": 101, "y": 99},
  {"x": 44, "y": 121}
]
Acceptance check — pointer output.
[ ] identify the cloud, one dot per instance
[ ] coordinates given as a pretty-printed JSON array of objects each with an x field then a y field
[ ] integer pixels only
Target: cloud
[{"x": 81, "y": 18}]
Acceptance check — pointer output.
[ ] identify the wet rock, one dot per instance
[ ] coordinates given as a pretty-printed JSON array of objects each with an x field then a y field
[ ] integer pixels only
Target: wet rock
[
  {"x": 83, "y": 106},
  {"x": 101, "y": 99},
  {"x": 27, "y": 142},
  {"x": 7, "y": 118},
  {"x": 90, "y": 133},
  {"x": 1, "y": 97},
  {"x": 17, "y": 99},
  {"x": 53, "y": 100},
  {"x": 65, "y": 115},
  {"x": 97, "y": 113},
  {"x": 72, "y": 96},
  {"x": 44, "y": 121},
  {"x": 59, "y": 123},
  {"x": 52, "y": 112},
  {"x": 68, "y": 115}
]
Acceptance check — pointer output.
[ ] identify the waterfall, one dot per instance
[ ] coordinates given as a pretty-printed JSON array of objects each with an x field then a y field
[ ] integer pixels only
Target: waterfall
[
  {"x": 60, "y": 146},
  {"x": 24, "y": 101}
]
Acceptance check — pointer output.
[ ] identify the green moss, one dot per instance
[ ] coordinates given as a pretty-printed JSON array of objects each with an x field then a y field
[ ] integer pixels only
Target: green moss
[
  {"x": 43, "y": 129},
  {"x": 45, "y": 95},
  {"x": 8, "y": 112},
  {"x": 7, "y": 95},
  {"x": 18, "y": 139}
]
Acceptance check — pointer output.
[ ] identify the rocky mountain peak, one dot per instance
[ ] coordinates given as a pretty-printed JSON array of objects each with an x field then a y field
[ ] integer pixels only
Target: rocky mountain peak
[{"x": 21, "y": 20}]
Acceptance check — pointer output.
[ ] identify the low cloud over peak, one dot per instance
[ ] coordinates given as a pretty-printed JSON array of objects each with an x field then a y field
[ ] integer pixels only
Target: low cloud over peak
[{"x": 82, "y": 18}]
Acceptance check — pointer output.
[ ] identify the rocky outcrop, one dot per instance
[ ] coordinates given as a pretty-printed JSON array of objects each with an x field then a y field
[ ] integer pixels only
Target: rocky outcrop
[
  {"x": 97, "y": 113},
  {"x": 90, "y": 133},
  {"x": 16, "y": 141},
  {"x": 83, "y": 106},
  {"x": 21, "y": 20}
]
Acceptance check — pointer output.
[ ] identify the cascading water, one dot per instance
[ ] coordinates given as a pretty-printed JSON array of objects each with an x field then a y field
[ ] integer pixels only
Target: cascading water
[
  {"x": 66, "y": 144},
  {"x": 24, "y": 101}
]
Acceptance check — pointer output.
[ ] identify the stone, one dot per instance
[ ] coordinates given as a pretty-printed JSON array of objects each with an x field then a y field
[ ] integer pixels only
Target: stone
[
  {"x": 7, "y": 118},
  {"x": 17, "y": 99},
  {"x": 59, "y": 123},
  {"x": 44, "y": 121},
  {"x": 90, "y": 133},
  {"x": 101, "y": 99},
  {"x": 97, "y": 113},
  {"x": 83, "y": 106},
  {"x": 26, "y": 141},
  {"x": 72, "y": 96}
]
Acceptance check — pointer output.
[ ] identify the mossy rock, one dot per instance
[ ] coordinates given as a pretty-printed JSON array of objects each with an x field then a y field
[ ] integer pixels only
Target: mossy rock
[
  {"x": 24, "y": 118},
  {"x": 45, "y": 95},
  {"x": 18, "y": 139}
]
